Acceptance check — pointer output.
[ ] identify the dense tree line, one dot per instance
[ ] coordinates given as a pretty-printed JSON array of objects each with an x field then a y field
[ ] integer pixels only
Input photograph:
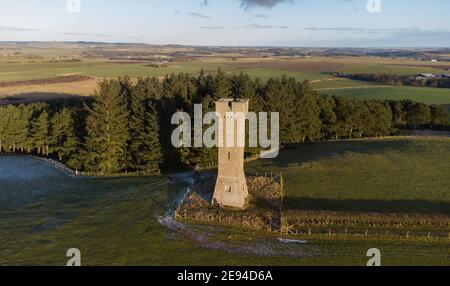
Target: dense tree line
[
  {"x": 397, "y": 80},
  {"x": 126, "y": 126}
]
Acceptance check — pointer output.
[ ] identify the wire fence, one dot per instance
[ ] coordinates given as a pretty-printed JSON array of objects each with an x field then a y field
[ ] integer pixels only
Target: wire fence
[{"x": 369, "y": 233}]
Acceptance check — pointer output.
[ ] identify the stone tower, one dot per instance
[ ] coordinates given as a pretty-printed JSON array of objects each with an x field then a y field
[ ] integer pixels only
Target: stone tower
[{"x": 231, "y": 186}]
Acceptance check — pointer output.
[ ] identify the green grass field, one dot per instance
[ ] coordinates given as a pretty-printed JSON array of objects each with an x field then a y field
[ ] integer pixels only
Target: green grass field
[
  {"x": 391, "y": 69},
  {"x": 15, "y": 72},
  {"x": 264, "y": 74},
  {"x": 426, "y": 95},
  {"x": 323, "y": 85},
  {"x": 99, "y": 69},
  {"x": 114, "y": 221},
  {"x": 399, "y": 175}
]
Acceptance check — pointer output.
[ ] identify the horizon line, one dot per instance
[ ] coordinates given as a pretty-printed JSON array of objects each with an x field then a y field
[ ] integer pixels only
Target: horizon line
[{"x": 228, "y": 46}]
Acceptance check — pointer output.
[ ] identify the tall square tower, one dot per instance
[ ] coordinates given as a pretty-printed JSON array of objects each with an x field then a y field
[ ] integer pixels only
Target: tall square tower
[{"x": 231, "y": 186}]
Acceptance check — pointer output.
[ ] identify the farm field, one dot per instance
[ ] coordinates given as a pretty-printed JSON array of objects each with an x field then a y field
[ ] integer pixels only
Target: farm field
[
  {"x": 419, "y": 94},
  {"x": 265, "y": 74},
  {"x": 102, "y": 70},
  {"x": 33, "y": 61},
  {"x": 393, "y": 69},
  {"x": 361, "y": 175},
  {"x": 322, "y": 83},
  {"x": 335, "y": 83},
  {"x": 117, "y": 221},
  {"x": 46, "y": 61},
  {"x": 341, "y": 64},
  {"x": 83, "y": 88}
]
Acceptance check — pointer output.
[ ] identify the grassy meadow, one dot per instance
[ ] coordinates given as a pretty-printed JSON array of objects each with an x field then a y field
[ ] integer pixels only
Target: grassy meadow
[
  {"x": 116, "y": 221},
  {"x": 393, "y": 69},
  {"x": 419, "y": 94},
  {"x": 99, "y": 70},
  {"x": 386, "y": 175}
]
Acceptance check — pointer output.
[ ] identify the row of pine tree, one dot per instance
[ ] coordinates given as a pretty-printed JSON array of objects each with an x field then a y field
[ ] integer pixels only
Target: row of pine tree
[{"x": 126, "y": 125}]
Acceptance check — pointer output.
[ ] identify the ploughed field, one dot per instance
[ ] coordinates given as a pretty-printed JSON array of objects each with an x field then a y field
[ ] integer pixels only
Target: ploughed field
[{"x": 122, "y": 221}]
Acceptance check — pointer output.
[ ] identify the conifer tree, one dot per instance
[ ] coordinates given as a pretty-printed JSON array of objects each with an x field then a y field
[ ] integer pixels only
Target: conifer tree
[
  {"x": 419, "y": 115},
  {"x": 308, "y": 113},
  {"x": 144, "y": 148},
  {"x": 204, "y": 157},
  {"x": 4, "y": 114},
  {"x": 107, "y": 129},
  {"x": 63, "y": 139},
  {"x": 327, "y": 117},
  {"x": 40, "y": 134},
  {"x": 221, "y": 86},
  {"x": 440, "y": 118},
  {"x": 16, "y": 132}
]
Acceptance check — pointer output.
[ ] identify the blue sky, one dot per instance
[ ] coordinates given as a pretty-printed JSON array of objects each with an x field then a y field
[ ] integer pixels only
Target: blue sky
[{"x": 303, "y": 23}]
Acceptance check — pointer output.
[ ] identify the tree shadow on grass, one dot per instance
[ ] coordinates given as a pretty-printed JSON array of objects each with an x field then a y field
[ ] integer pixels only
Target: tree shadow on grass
[
  {"x": 30, "y": 97},
  {"x": 299, "y": 154},
  {"x": 374, "y": 206}
]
